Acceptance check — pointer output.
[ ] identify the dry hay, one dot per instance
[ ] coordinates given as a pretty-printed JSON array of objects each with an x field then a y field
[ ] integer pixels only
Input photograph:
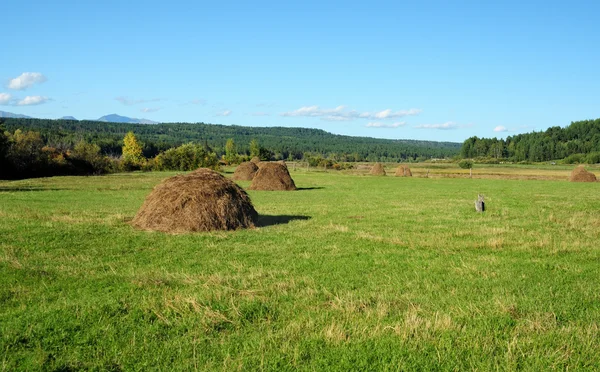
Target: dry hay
[
  {"x": 255, "y": 160},
  {"x": 403, "y": 171},
  {"x": 245, "y": 171},
  {"x": 377, "y": 170},
  {"x": 202, "y": 200},
  {"x": 272, "y": 177},
  {"x": 579, "y": 174}
]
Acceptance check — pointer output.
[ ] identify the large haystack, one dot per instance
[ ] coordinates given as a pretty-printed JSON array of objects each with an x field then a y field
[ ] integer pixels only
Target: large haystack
[
  {"x": 403, "y": 171},
  {"x": 255, "y": 160},
  {"x": 202, "y": 200},
  {"x": 245, "y": 171},
  {"x": 377, "y": 170},
  {"x": 579, "y": 174},
  {"x": 272, "y": 177}
]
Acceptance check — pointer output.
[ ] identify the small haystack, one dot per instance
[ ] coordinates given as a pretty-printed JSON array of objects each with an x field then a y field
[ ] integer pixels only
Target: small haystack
[
  {"x": 377, "y": 170},
  {"x": 202, "y": 200},
  {"x": 579, "y": 174},
  {"x": 255, "y": 160},
  {"x": 272, "y": 177},
  {"x": 245, "y": 171},
  {"x": 403, "y": 171}
]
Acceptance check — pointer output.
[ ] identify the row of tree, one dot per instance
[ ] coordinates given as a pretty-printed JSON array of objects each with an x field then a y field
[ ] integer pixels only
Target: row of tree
[
  {"x": 578, "y": 142},
  {"x": 282, "y": 143}
]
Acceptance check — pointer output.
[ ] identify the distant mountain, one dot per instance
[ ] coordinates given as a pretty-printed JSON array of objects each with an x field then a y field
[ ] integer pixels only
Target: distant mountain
[
  {"x": 114, "y": 118},
  {"x": 68, "y": 118},
  {"x": 4, "y": 114}
]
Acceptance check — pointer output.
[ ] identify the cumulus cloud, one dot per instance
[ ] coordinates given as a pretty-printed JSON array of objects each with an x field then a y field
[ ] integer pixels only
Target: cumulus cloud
[
  {"x": 340, "y": 113},
  {"x": 130, "y": 102},
  {"x": 25, "y": 80},
  {"x": 150, "y": 109},
  {"x": 32, "y": 101},
  {"x": 445, "y": 126},
  {"x": 500, "y": 128},
  {"x": 5, "y": 98},
  {"x": 381, "y": 125},
  {"x": 224, "y": 113}
]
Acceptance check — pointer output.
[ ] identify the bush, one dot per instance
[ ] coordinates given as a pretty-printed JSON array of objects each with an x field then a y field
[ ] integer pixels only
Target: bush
[
  {"x": 593, "y": 158},
  {"x": 86, "y": 159},
  {"x": 185, "y": 158},
  {"x": 465, "y": 164},
  {"x": 574, "y": 159}
]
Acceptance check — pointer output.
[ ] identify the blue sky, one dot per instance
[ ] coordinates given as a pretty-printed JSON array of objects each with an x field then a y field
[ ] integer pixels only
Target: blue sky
[{"x": 433, "y": 70}]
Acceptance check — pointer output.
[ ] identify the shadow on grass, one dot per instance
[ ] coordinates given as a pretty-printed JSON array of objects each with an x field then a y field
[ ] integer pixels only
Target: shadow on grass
[
  {"x": 309, "y": 188},
  {"x": 265, "y": 220},
  {"x": 25, "y": 188}
]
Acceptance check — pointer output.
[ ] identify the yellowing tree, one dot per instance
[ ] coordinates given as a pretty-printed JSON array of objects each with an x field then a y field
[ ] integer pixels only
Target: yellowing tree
[{"x": 132, "y": 149}]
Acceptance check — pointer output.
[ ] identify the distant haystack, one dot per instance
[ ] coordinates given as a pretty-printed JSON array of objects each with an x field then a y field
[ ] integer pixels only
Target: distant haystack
[
  {"x": 255, "y": 160},
  {"x": 272, "y": 177},
  {"x": 377, "y": 170},
  {"x": 202, "y": 200},
  {"x": 245, "y": 171},
  {"x": 579, "y": 174},
  {"x": 403, "y": 171}
]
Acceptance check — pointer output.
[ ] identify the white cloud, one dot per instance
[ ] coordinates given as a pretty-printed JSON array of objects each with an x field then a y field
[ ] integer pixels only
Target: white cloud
[
  {"x": 444, "y": 126},
  {"x": 5, "y": 98},
  {"x": 224, "y": 113},
  {"x": 32, "y": 101},
  {"x": 340, "y": 113},
  {"x": 500, "y": 128},
  {"x": 25, "y": 80},
  {"x": 150, "y": 109},
  {"x": 130, "y": 102},
  {"x": 381, "y": 125}
]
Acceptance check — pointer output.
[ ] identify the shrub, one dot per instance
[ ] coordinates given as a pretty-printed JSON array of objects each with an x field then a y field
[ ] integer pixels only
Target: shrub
[
  {"x": 593, "y": 158},
  {"x": 465, "y": 164},
  {"x": 186, "y": 157},
  {"x": 574, "y": 159}
]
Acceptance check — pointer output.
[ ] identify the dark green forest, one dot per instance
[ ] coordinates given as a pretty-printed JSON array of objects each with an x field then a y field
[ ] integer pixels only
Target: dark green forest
[
  {"x": 578, "y": 142},
  {"x": 282, "y": 142}
]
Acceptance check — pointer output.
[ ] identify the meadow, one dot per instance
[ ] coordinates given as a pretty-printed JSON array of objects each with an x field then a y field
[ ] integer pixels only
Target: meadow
[{"x": 351, "y": 272}]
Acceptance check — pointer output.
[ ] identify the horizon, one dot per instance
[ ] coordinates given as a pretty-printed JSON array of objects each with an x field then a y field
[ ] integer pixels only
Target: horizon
[{"x": 430, "y": 72}]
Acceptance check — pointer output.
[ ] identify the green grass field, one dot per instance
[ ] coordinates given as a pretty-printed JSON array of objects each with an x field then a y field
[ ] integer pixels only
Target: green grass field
[{"x": 350, "y": 273}]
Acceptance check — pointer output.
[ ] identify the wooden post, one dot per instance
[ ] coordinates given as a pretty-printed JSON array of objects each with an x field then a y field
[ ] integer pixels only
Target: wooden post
[
  {"x": 427, "y": 173},
  {"x": 470, "y": 172}
]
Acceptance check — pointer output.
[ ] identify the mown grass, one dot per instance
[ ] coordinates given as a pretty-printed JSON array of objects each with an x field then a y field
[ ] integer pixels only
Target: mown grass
[{"x": 350, "y": 273}]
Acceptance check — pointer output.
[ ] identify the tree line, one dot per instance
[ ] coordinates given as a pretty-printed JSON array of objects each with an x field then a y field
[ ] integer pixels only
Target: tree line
[
  {"x": 282, "y": 142},
  {"x": 578, "y": 142}
]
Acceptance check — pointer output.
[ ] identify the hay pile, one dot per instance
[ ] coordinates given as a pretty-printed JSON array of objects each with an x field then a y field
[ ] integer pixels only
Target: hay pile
[
  {"x": 579, "y": 174},
  {"x": 202, "y": 200},
  {"x": 377, "y": 170},
  {"x": 245, "y": 171},
  {"x": 255, "y": 160},
  {"x": 403, "y": 171},
  {"x": 272, "y": 177}
]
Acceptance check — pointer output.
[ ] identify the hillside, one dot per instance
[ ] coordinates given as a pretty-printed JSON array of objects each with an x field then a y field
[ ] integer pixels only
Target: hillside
[
  {"x": 280, "y": 140},
  {"x": 580, "y": 139}
]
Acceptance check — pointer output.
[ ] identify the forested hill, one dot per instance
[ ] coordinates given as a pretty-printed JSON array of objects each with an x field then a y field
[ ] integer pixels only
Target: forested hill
[
  {"x": 580, "y": 139},
  {"x": 282, "y": 141}
]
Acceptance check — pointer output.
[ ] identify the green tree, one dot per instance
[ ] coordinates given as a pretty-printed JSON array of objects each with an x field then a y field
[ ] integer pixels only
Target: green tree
[
  {"x": 254, "y": 148},
  {"x": 132, "y": 150},
  {"x": 231, "y": 155}
]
